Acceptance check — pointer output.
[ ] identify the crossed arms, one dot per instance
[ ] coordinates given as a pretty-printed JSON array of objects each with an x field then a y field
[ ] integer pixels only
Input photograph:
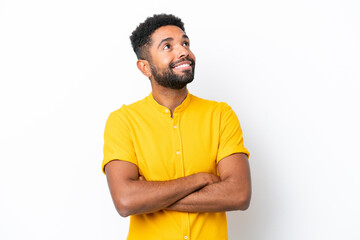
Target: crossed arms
[{"x": 200, "y": 192}]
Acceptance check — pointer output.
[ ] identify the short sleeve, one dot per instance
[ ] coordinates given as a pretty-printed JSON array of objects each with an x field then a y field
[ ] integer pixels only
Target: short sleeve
[
  {"x": 231, "y": 136},
  {"x": 118, "y": 144}
]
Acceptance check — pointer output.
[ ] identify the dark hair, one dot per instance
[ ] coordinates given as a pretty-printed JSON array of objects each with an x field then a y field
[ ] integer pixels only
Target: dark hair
[{"x": 141, "y": 36}]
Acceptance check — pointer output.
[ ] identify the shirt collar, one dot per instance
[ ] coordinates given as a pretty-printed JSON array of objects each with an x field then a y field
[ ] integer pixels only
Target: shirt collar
[{"x": 150, "y": 99}]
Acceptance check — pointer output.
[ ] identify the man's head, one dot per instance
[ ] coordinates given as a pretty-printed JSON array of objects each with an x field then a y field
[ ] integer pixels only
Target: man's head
[
  {"x": 163, "y": 52},
  {"x": 141, "y": 36}
]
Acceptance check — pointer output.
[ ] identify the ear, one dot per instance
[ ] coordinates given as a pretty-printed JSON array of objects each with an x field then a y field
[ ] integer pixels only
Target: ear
[{"x": 144, "y": 67}]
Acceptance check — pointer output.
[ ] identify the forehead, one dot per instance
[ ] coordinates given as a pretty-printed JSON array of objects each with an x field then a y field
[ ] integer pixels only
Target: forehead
[{"x": 167, "y": 32}]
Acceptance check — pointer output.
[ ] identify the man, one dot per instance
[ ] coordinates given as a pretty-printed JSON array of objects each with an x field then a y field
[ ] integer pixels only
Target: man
[{"x": 174, "y": 162}]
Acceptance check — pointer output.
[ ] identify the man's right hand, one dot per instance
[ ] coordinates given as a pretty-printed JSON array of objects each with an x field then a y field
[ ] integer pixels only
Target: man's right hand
[{"x": 209, "y": 178}]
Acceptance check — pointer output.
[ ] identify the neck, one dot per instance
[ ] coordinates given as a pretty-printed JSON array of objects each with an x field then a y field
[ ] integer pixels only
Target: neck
[{"x": 170, "y": 98}]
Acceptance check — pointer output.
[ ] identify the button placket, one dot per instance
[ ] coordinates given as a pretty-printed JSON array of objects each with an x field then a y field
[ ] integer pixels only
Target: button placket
[
  {"x": 180, "y": 168},
  {"x": 178, "y": 145},
  {"x": 177, "y": 135}
]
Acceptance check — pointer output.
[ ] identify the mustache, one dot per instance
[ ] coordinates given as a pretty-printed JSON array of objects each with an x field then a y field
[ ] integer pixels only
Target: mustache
[{"x": 182, "y": 60}]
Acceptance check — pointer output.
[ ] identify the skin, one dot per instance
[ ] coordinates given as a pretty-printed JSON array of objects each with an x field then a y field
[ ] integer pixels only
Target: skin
[
  {"x": 232, "y": 192},
  {"x": 132, "y": 195},
  {"x": 200, "y": 192},
  {"x": 168, "y": 46}
]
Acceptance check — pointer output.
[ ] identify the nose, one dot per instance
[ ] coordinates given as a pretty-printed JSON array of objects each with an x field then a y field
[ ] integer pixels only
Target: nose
[{"x": 183, "y": 52}]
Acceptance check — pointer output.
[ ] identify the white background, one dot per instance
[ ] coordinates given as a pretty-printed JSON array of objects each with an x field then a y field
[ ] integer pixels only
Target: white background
[{"x": 289, "y": 69}]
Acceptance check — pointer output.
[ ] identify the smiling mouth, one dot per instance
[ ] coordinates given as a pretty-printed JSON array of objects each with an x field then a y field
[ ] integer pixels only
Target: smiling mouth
[{"x": 183, "y": 65}]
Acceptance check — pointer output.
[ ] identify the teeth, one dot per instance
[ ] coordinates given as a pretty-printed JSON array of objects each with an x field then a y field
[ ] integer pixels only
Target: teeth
[{"x": 183, "y": 65}]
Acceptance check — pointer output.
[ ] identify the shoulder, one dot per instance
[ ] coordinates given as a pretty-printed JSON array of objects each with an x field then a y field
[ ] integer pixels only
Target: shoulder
[
  {"x": 127, "y": 110},
  {"x": 201, "y": 103}
]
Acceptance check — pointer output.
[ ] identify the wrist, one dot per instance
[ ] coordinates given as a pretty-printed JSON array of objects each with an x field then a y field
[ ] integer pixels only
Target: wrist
[{"x": 203, "y": 179}]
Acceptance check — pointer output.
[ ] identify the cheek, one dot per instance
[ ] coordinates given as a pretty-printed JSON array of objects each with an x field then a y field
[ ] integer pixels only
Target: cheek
[
  {"x": 192, "y": 55},
  {"x": 165, "y": 63},
  {"x": 162, "y": 65},
  {"x": 164, "y": 60}
]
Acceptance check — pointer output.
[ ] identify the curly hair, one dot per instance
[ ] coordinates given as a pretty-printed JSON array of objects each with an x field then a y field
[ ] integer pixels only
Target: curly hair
[{"x": 141, "y": 36}]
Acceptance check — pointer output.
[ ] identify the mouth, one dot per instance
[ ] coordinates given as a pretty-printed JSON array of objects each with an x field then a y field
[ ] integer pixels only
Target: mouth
[{"x": 182, "y": 65}]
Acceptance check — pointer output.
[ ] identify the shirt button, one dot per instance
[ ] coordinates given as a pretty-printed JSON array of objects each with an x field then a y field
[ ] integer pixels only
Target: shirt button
[
  {"x": 178, "y": 152},
  {"x": 166, "y": 110},
  {"x": 175, "y": 126},
  {"x": 186, "y": 237}
]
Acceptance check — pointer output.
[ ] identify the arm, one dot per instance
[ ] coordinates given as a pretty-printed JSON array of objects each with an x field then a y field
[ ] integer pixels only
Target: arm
[
  {"x": 132, "y": 196},
  {"x": 233, "y": 192}
]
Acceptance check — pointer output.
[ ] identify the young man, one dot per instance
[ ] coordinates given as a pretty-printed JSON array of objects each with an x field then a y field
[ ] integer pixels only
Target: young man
[{"x": 174, "y": 162}]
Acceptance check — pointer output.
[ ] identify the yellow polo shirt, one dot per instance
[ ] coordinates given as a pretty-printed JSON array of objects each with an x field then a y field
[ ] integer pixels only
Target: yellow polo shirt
[{"x": 199, "y": 135}]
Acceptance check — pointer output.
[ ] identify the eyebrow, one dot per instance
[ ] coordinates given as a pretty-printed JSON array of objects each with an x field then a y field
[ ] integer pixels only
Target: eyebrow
[{"x": 171, "y": 39}]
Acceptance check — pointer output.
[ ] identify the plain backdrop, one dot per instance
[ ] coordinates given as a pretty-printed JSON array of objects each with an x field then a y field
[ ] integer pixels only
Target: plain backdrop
[{"x": 289, "y": 69}]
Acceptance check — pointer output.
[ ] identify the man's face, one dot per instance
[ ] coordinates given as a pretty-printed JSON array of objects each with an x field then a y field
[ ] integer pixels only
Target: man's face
[{"x": 171, "y": 62}]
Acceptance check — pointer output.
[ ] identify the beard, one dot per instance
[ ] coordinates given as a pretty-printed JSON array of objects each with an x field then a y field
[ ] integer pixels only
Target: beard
[{"x": 169, "y": 79}]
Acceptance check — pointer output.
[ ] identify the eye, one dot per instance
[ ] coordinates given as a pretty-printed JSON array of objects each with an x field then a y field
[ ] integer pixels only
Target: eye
[
  {"x": 166, "y": 47},
  {"x": 186, "y": 44}
]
